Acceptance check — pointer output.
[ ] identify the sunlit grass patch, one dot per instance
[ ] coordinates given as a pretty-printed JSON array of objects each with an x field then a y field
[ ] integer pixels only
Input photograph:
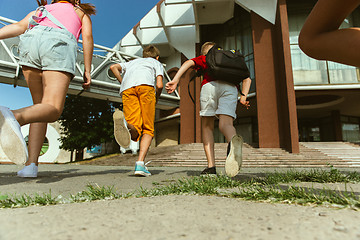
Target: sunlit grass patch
[
  {"x": 271, "y": 187},
  {"x": 313, "y": 175},
  {"x": 298, "y": 195},
  {"x": 27, "y": 200},
  {"x": 267, "y": 188}
]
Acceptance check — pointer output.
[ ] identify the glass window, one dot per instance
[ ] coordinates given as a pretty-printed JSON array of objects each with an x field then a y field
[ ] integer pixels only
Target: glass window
[
  {"x": 314, "y": 134},
  {"x": 353, "y": 119},
  {"x": 344, "y": 119},
  {"x": 351, "y": 132},
  {"x": 296, "y": 21},
  {"x": 308, "y": 71},
  {"x": 234, "y": 34},
  {"x": 340, "y": 73}
]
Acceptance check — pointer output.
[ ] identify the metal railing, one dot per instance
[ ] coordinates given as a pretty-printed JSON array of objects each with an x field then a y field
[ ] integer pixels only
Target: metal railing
[{"x": 101, "y": 81}]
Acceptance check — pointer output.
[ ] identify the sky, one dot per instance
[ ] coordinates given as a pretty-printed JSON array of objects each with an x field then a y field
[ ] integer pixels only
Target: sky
[{"x": 114, "y": 19}]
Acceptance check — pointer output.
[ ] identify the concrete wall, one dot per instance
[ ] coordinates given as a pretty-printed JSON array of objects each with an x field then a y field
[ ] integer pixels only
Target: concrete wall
[{"x": 167, "y": 132}]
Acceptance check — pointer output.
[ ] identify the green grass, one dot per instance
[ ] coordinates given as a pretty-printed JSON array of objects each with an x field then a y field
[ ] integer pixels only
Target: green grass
[
  {"x": 313, "y": 175},
  {"x": 27, "y": 200},
  {"x": 298, "y": 195},
  {"x": 266, "y": 189}
]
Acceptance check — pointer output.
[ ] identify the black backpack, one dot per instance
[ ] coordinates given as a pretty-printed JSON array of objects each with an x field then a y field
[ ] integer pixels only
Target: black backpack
[{"x": 226, "y": 65}]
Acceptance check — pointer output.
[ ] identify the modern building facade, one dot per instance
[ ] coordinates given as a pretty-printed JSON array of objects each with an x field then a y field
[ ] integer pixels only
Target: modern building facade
[{"x": 293, "y": 97}]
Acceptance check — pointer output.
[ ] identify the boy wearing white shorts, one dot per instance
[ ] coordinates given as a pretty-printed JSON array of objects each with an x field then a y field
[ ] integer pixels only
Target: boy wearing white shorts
[{"x": 217, "y": 99}]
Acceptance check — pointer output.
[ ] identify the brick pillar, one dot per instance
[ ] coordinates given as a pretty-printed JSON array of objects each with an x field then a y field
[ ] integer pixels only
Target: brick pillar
[
  {"x": 190, "y": 121},
  {"x": 276, "y": 105}
]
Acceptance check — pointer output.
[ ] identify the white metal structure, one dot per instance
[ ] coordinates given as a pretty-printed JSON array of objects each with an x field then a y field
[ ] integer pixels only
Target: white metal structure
[
  {"x": 173, "y": 25},
  {"x": 104, "y": 84}
]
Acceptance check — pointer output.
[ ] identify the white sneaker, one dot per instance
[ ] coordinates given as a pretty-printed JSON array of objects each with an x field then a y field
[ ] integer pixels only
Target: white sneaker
[
  {"x": 30, "y": 171},
  {"x": 234, "y": 159},
  {"x": 11, "y": 140},
  {"x": 121, "y": 132}
]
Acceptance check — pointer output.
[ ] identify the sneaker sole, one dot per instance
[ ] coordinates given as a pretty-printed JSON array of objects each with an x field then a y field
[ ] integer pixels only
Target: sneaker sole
[
  {"x": 141, "y": 173},
  {"x": 27, "y": 175},
  {"x": 121, "y": 133},
  {"x": 11, "y": 143},
  {"x": 234, "y": 160}
]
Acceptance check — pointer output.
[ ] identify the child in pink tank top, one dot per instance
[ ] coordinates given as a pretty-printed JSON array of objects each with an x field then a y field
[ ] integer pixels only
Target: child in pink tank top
[
  {"x": 48, "y": 50},
  {"x": 65, "y": 13}
]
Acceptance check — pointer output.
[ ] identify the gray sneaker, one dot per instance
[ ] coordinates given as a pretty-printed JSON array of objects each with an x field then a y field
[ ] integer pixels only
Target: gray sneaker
[
  {"x": 29, "y": 171},
  {"x": 234, "y": 158},
  {"x": 121, "y": 132}
]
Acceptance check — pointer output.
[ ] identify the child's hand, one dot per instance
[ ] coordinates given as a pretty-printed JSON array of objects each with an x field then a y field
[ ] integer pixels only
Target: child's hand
[
  {"x": 87, "y": 80},
  {"x": 244, "y": 103},
  {"x": 170, "y": 86}
]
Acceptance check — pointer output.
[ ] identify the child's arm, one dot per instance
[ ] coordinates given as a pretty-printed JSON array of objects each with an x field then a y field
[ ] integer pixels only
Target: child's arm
[
  {"x": 159, "y": 86},
  {"x": 88, "y": 46},
  {"x": 15, "y": 29},
  {"x": 245, "y": 90},
  {"x": 171, "y": 86},
  {"x": 116, "y": 69}
]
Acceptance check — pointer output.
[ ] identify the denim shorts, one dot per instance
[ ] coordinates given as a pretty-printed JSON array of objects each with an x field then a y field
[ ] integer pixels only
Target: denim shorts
[
  {"x": 48, "y": 49},
  {"x": 218, "y": 98}
]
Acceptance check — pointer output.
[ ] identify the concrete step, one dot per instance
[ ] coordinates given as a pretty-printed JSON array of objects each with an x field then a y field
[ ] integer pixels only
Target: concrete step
[{"x": 311, "y": 155}]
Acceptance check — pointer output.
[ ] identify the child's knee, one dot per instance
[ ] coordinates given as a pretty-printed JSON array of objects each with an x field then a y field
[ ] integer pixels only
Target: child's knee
[
  {"x": 149, "y": 132},
  {"x": 134, "y": 135},
  {"x": 304, "y": 42},
  {"x": 55, "y": 114},
  {"x": 225, "y": 124},
  {"x": 309, "y": 44}
]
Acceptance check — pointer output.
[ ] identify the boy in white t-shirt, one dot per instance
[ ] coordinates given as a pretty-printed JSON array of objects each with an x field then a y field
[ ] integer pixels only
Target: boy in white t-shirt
[{"x": 141, "y": 86}]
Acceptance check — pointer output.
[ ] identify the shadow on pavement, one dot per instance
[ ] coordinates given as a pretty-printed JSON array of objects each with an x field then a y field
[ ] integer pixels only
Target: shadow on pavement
[
  {"x": 153, "y": 173},
  {"x": 190, "y": 173},
  {"x": 54, "y": 176}
]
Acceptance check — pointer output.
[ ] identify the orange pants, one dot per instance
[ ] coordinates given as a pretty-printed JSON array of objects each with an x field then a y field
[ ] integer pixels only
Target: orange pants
[{"x": 139, "y": 108}]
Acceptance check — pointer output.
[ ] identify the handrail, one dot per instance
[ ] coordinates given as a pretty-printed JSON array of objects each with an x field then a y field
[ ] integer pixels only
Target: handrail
[{"x": 112, "y": 55}]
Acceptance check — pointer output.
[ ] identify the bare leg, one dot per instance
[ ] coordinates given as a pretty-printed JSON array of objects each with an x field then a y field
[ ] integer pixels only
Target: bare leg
[
  {"x": 226, "y": 126},
  {"x": 321, "y": 37},
  {"x": 37, "y": 134},
  {"x": 207, "y": 125},
  {"x": 48, "y": 90},
  {"x": 51, "y": 88},
  {"x": 37, "y": 130},
  {"x": 145, "y": 143}
]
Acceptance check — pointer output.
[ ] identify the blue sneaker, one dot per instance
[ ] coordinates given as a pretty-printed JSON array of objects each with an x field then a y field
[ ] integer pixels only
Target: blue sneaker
[{"x": 141, "y": 170}]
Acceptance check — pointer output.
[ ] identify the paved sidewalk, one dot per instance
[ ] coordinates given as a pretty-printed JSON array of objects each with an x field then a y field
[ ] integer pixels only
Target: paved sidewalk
[
  {"x": 165, "y": 217},
  {"x": 70, "y": 178}
]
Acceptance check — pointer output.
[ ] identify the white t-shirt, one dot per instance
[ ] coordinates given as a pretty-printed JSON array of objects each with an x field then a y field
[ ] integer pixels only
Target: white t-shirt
[{"x": 141, "y": 71}]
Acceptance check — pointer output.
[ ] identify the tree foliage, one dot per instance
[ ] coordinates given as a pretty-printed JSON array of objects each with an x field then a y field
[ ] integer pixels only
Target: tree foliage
[{"x": 85, "y": 122}]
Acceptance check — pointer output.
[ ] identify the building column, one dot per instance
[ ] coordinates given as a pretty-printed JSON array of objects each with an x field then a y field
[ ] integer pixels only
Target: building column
[
  {"x": 336, "y": 118},
  {"x": 190, "y": 121},
  {"x": 276, "y": 104}
]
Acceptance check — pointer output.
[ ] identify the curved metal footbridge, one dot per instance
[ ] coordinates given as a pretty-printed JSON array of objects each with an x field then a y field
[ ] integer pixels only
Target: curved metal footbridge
[{"x": 104, "y": 84}]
